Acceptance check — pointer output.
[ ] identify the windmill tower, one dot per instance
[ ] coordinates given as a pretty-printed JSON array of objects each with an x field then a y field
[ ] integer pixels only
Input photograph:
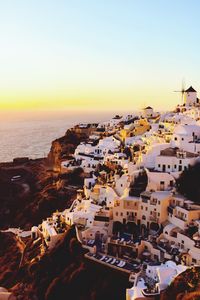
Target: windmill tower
[{"x": 191, "y": 96}]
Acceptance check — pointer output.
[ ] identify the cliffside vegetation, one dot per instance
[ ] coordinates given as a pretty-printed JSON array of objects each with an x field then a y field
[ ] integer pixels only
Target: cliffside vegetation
[{"x": 188, "y": 183}]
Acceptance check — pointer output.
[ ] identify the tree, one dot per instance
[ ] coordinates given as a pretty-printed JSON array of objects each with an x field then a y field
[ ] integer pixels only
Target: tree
[
  {"x": 188, "y": 184},
  {"x": 139, "y": 184}
]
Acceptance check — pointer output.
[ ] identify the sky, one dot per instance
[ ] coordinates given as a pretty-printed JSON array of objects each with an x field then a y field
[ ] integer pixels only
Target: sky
[{"x": 106, "y": 55}]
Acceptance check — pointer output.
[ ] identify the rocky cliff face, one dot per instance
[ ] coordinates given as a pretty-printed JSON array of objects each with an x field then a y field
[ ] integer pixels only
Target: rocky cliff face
[
  {"x": 64, "y": 147},
  {"x": 186, "y": 286},
  {"x": 40, "y": 190},
  {"x": 63, "y": 273}
]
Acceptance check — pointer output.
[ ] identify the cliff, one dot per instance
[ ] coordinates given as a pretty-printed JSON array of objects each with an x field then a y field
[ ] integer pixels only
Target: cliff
[
  {"x": 64, "y": 273},
  {"x": 186, "y": 286},
  {"x": 39, "y": 189},
  {"x": 64, "y": 147}
]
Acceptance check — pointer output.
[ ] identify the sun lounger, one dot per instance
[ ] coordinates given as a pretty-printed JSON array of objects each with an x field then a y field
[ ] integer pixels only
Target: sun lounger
[
  {"x": 113, "y": 261},
  {"x": 123, "y": 264},
  {"x": 119, "y": 264},
  {"x": 102, "y": 258}
]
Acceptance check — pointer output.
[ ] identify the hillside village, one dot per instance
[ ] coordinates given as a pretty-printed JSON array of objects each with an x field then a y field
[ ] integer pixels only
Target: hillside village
[{"x": 129, "y": 215}]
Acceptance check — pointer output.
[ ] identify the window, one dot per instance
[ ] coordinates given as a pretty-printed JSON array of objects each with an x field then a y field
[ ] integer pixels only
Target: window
[
  {"x": 127, "y": 213},
  {"x": 174, "y": 166},
  {"x": 180, "y": 161},
  {"x": 158, "y": 165},
  {"x": 116, "y": 213},
  {"x": 136, "y": 214},
  {"x": 159, "y": 202},
  {"x": 168, "y": 166},
  {"x": 158, "y": 214},
  {"x": 146, "y": 208},
  {"x": 182, "y": 139},
  {"x": 182, "y": 241},
  {"x": 121, "y": 214},
  {"x": 175, "y": 138},
  {"x": 141, "y": 207}
]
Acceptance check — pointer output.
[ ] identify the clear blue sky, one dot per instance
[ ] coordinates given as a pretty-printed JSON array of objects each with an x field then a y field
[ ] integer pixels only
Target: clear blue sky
[{"x": 83, "y": 53}]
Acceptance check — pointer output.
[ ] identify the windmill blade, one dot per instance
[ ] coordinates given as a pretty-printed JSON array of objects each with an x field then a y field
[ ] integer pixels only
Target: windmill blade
[
  {"x": 183, "y": 90},
  {"x": 183, "y": 84}
]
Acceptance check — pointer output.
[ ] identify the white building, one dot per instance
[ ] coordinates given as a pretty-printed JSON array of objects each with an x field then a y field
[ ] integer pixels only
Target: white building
[
  {"x": 148, "y": 112},
  {"x": 174, "y": 160},
  {"x": 191, "y": 96},
  {"x": 159, "y": 181},
  {"x": 186, "y": 137}
]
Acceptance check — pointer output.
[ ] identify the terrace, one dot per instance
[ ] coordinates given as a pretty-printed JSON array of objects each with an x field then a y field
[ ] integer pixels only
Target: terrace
[{"x": 115, "y": 263}]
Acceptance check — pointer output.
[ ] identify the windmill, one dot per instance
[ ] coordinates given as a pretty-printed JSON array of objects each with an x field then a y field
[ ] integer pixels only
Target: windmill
[{"x": 182, "y": 91}]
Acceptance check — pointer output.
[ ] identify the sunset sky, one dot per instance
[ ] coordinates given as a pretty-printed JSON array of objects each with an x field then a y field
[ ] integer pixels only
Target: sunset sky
[{"x": 97, "y": 55}]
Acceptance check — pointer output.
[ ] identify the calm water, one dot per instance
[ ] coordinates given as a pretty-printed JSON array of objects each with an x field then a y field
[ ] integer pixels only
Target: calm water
[
  {"x": 33, "y": 138},
  {"x": 29, "y": 138}
]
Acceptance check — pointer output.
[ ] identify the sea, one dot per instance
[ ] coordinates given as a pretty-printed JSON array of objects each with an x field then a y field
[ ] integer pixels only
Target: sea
[{"x": 32, "y": 137}]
